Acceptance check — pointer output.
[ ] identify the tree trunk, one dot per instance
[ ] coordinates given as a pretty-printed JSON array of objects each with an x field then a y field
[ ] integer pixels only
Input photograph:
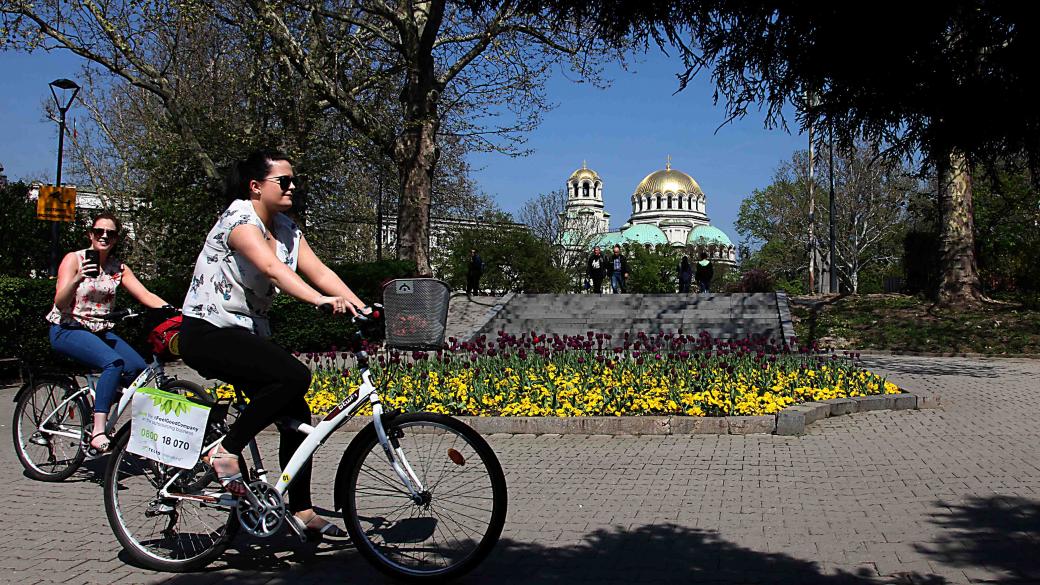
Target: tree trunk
[
  {"x": 960, "y": 277},
  {"x": 416, "y": 154}
]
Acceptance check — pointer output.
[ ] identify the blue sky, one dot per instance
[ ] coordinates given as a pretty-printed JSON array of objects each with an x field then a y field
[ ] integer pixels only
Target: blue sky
[{"x": 624, "y": 133}]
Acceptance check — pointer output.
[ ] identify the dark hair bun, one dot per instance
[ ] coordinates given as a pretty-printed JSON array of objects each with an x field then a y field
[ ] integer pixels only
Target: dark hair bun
[{"x": 253, "y": 168}]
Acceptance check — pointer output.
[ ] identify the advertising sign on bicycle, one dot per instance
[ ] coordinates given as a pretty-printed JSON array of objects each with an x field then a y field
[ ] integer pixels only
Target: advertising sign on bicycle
[{"x": 167, "y": 428}]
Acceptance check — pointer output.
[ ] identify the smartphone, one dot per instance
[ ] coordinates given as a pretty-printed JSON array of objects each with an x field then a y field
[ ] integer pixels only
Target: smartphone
[{"x": 93, "y": 257}]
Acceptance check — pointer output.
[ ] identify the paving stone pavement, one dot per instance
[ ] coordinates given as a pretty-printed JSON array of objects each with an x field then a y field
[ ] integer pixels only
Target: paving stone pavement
[{"x": 949, "y": 495}]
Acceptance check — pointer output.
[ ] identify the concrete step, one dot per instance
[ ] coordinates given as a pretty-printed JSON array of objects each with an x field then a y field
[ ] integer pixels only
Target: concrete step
[{"x": 721, "y": 315}]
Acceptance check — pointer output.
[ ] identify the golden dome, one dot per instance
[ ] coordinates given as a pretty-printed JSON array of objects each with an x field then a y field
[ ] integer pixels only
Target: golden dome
[
  {"x": 668, "y": 180},
  {"x": 584, "y": 173}
]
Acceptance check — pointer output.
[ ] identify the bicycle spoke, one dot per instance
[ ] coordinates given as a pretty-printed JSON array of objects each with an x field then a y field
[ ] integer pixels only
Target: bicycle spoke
[{"x": 458, "y": 518}]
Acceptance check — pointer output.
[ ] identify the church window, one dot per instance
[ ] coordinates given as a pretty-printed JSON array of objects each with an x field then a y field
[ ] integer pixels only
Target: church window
[
  {"x": 585, "y": 190},
  {"x": 680, "y": 202},
  {"x": 669, "y": 202},
  {"x": 659, "y": 202},
  {"x": 575, "y": 190}
]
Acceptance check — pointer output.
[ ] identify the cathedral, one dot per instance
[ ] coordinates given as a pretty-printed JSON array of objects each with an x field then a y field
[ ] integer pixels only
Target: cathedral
[{"x": 668, "y": 207}]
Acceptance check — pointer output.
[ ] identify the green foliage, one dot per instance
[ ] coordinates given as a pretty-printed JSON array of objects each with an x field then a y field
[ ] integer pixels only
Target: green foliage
[
  {"x": 24, "y": 303},
  {"x": 756, "y": 281},
  {"x": 652, "y": 271},
  {"x": 25, "y": 247},
  {"x": 513, "y": 260},
  {"x": 921, "y": 264},
  {"x": 907, "y": 323},
  {"x": 1007, "y": 228}
]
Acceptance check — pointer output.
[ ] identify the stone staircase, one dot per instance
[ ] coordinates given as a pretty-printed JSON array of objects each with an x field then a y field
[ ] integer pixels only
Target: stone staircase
[
  {"x": 726, "y": 316},
  {"x": 467, "y": 315}
]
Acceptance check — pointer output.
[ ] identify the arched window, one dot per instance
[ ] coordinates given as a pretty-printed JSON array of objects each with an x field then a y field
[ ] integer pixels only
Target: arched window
[
  {"x": 575, "y": 190},
  {"x": 680, "y": 201},
  {"x": 659, "y": 202},
  {"x": 669, "y": 202},
  {"x": 585, "y": 189}
]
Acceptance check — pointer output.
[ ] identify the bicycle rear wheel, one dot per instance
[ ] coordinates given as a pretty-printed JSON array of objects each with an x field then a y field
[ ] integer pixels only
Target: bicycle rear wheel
[
  {"x": 165, "y": 534},
  {"x": 463, "y": 502},
  {"x": 49, "y": 442}
]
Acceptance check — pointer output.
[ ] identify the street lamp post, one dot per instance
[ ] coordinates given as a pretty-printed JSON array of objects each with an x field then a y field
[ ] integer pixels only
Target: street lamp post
[
  {"x": 833, "y": 245},
  {"x": 65, "y": 85}
]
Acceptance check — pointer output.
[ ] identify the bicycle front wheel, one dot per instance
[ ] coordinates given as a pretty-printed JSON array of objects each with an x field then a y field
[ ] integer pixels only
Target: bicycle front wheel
[
  {"x": 164, "y": 534},
  {"x": 461, "y": 507},
  {"x": 49, "y": 439}
]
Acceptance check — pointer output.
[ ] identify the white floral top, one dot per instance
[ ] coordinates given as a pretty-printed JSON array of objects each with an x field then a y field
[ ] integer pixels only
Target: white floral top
[
  {"x": 227, "y": 289},
  {"x": 94, "y": 297}
]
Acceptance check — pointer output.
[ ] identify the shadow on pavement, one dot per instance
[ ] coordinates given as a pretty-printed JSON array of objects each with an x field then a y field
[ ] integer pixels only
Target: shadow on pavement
[
  {"x": 650, "y": 554},
  {"x": 1000, "y": 534},
  {"x": 931, "y": 366}
]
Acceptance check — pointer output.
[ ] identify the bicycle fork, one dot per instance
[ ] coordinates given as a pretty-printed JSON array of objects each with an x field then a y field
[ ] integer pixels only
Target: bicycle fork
[{"x": 395, "y": 455}]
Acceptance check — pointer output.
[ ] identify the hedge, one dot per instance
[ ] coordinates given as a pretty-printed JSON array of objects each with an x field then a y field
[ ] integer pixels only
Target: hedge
[{"x": 297, "y": 326}]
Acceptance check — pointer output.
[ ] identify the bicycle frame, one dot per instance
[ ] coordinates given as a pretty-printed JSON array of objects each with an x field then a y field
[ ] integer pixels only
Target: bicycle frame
[
  {"x": 316, "y": 437},
  {"x": 154, "y": 371}
]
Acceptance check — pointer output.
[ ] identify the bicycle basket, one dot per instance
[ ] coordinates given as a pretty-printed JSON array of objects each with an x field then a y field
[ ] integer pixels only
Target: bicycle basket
[{"x": 416, "y": 312}]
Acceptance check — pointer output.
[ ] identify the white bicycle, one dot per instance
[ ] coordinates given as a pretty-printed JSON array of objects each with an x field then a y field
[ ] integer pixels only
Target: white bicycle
[
  {"x": 52, "y": 416},
  {"x": 422, "y": 495}
]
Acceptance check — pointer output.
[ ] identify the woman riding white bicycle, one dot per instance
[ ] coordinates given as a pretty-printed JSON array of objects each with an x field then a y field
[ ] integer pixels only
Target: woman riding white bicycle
[
  {"x": 86, "y": 291},
  {"x": 253, "y": 252}
]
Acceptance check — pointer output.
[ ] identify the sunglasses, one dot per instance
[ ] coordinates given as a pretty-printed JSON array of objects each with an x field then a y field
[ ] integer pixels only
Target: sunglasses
[
  {"x": 284, "y": 181},
  {"x": 101, "y": 232}
]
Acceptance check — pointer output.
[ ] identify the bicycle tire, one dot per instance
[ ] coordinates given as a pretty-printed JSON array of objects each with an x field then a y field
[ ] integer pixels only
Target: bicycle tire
[
  {"x": 135, "y": 514},
  {"x": 391, "y": 531},
  {"x": 190, "y": 390},
  {"x": 37, "y": 451}
]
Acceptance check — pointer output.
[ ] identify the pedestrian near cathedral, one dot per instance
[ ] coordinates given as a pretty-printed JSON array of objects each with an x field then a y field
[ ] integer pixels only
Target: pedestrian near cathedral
[
  {"x": 685, "y": 274},
  {"x": 596, "y": 268},
  {"x": 704, "y": 274},
  {"x": 474, "y": 270},
  {"x": 617, "y": 267}
]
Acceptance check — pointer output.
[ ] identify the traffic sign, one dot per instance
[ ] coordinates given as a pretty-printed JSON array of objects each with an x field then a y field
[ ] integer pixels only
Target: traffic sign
[{"x": 56, "y": 203}]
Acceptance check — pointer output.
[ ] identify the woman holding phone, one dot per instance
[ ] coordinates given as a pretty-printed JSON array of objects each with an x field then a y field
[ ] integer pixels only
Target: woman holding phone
[{"x": 86, "y": 290}]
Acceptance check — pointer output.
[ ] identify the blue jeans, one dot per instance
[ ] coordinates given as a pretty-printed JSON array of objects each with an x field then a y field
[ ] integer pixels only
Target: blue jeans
[
  {"x": 617, "y": 282},
  {"x": 106, "y": 351}
]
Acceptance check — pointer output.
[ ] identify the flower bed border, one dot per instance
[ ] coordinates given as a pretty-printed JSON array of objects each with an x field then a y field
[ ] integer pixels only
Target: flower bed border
[{"x": 790, "y": 421}]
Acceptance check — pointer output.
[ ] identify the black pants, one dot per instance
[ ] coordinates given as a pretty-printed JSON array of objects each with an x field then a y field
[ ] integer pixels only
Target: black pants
[
  {"x": 472, "y": 282},
  {"x": 597, "y": 283},
  {"x": 270, "y": 376}
]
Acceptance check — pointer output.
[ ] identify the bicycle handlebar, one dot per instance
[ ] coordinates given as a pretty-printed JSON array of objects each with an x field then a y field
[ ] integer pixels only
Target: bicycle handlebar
[
  {"x": 375, "y": 313},
  {"x": 123, "y": 314}
]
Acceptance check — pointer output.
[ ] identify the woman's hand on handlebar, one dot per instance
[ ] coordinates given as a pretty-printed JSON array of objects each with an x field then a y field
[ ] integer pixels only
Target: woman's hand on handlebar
[{"x": 339, "y": 305}]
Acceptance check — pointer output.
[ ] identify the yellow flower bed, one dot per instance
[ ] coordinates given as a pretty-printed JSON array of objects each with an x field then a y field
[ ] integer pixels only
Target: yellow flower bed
[{"x": 584, "y": 383}]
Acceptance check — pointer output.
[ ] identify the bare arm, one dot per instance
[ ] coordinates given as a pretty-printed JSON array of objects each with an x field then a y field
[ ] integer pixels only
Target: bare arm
[
  {"x": 323, "y": 277},
  {"x": 70, "y": 274},
  {"x": 249, "y": 241},
  {"x": 139, "y": 291}
]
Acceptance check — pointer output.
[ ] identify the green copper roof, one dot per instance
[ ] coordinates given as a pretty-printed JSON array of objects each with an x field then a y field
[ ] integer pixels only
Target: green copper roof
[
  {"x": 643, "y": 233},
  {"x": 708, "y": 234},
  {"x": 607, "y": 240}
]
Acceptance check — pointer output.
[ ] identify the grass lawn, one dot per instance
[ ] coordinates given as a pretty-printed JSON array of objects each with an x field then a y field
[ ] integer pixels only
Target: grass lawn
[{"x": 902, "y": 323}]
